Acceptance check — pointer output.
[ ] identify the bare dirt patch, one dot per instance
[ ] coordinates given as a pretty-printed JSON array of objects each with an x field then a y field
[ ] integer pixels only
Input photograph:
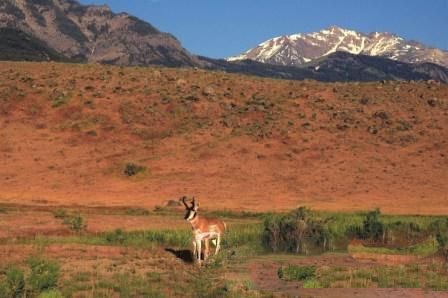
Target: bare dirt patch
[{"x": 29, "y": 224}]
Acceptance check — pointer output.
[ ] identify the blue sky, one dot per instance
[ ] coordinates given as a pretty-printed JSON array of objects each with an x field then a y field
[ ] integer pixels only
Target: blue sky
[{"x": 221, "y": 28}]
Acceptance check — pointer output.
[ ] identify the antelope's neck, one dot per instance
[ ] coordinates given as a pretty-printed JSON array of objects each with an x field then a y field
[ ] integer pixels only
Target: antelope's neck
[{"x": 195, "y": 222}]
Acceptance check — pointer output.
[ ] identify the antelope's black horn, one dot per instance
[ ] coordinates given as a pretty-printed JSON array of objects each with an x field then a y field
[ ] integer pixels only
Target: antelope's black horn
[{"x": 183, "y": 201}]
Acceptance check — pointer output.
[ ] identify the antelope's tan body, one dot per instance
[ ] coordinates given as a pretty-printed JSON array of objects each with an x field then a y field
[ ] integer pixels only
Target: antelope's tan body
[{"x": 204, "y": 229}]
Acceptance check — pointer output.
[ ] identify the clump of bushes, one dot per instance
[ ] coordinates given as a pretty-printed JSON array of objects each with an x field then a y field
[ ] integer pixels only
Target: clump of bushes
[
  {"x": 43, "y": 277},
  {"x": 117, "y": 236},
  {"x": 44, "y": 274},
  {"x": 440, "y": 230},
  {"x": 15, "y": 283},
  {"x": 292, "y": 231},
  {"x": 307, "y": 231},
  {"x": 76, "y": 222},
  {"x": 290, "y": 273},
  {"x": 372, "y": 228},
  {"x": 132, "y": 169},
  {"x": 60, "y": 213}
]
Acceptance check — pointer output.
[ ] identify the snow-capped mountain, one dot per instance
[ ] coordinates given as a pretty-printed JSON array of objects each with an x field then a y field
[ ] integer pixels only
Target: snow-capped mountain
[{"x": 297, "y": 49}]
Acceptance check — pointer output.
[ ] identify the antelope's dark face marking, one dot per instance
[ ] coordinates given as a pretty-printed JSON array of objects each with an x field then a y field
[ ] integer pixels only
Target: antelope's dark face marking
[
  {"x": 191, "y": 211},
  {"x": 190, "y": 214}
]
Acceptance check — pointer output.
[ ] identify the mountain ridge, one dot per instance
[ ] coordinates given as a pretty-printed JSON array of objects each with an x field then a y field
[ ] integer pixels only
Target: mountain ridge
[
  {"x": 65, "y": 30},
  {"x": 301, "y": 48},
  {"x": 93, "y": 33},
  {"x": 337, "y": 67},
  {"x": 19, "y": 46}
]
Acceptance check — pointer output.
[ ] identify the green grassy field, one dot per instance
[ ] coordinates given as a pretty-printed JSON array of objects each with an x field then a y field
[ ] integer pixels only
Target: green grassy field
[{"x": 143, "y": 268}]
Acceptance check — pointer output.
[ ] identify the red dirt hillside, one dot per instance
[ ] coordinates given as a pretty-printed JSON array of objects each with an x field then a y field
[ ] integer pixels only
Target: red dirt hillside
[{"x": 68, "y": 131}]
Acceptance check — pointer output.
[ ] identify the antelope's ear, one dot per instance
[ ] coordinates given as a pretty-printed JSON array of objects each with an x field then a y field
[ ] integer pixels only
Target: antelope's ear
[{"x": 195, "y": 204}]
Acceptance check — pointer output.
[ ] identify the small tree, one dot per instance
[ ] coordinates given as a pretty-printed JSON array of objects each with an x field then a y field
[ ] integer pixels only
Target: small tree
[
  {"x": 373, "y": 228},
  {"x": 272, "y": 231},
  {"x": 293, "y": 230},
  {"x": 301, "y": 219}
]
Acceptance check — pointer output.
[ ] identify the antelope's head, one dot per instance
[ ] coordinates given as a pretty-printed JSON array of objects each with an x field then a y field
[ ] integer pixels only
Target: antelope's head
[{"x": 191, "y": 211}]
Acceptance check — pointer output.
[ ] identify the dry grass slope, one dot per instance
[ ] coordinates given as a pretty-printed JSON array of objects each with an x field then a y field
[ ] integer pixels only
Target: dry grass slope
[{"x": 68, "y": 132}]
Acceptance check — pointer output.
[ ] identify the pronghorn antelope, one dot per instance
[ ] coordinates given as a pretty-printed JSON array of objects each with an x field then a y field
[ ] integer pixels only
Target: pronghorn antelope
[{"x": 204, "y": 228}]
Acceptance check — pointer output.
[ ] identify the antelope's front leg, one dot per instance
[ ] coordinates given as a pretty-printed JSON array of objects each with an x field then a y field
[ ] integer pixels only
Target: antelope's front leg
[
  {"x": 206, "y": 249},
  {"x": 198, "y": 244}
]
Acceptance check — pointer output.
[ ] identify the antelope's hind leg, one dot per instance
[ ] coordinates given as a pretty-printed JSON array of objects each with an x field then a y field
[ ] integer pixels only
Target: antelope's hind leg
[
  {"x": 194, "y": 249},
  {"x": 218, "y": 244},
  {"x": 199, "y": 250}
]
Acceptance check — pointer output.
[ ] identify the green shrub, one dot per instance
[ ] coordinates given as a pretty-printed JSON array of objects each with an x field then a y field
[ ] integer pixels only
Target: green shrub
[
  {"x": 117, "y": 236},
  {"x": 44, "y": 274},
  {"x": 291, "y": 231},
  {"x": 4, "y": 292},
  {"x": 76, "y": 223},
  {"x": 51, "y": 294},
  {"x": 272, "y": 236},
  {"x": 439, "y": 228},
  {"x": 442, "y": 239},
  {"x": 15, "y": 282},
  {"x": 312, "y": 284},
  {"x": 296, "y": 273},
  {"x": 132, "y": 169},
  {"x": 371, "y": 227},
  {"x": 60, "y": 213}
]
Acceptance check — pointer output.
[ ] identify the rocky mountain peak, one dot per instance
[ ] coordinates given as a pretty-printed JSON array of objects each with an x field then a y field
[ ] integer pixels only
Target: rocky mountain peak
[
  {"x": 301, "y": 48},
  {"x": 94, "y": 33}
]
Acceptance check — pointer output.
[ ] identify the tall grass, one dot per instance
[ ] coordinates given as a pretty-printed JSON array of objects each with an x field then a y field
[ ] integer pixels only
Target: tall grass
[
  {"x": 237, "y": 236},
  {"x": 280, "y": 232},
  {"x": 41, "y": 276},
  {"x": 119, "y": 284},
  {"x": 426, "y": 248},
  {"x": 244, "y": 235},
  {"x": 181, "y": 237},
  {"x": 423, "y": 275},
  {"x": 307, "y": 231}
]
